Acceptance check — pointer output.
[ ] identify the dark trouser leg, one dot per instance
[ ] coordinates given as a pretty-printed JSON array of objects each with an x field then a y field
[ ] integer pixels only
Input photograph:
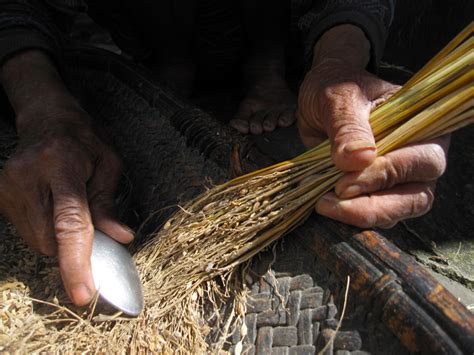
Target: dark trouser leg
[
  {"x": 266, "y": 24},
  {"x": 268, "y": 103},
  {"x": 159, "y": 33},
  {"x": 170, "y": 29},
  {"x": 171, "y": 36}
]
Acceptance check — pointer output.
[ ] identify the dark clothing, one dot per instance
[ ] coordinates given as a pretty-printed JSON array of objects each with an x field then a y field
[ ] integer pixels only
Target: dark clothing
[{"x": 41, "y": 24}]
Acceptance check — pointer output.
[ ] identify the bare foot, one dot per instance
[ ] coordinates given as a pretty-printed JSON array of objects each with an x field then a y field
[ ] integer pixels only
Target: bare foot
[{"x": 268, "y": 104}]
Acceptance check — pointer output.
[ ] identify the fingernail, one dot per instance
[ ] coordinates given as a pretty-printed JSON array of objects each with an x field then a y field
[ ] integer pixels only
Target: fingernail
[
  {"x": 359, "y": 145},
  {"x": 330, "y": 198},
  {"x": 333, "y": 201},
  {"x": 351, "y": 191},
  {"x": 326, "y": 203},
  {"x": 344, "y": 203},
  {"x": 129, "y": 230},
  {"x": 81, "y": 294}
]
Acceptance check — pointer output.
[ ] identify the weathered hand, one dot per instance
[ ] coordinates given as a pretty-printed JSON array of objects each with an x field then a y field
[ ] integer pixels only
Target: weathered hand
[
  {"x": 59, "y": 183},
  {"x": 335, "y": 101},
  {"x": 396, "y": 186}
]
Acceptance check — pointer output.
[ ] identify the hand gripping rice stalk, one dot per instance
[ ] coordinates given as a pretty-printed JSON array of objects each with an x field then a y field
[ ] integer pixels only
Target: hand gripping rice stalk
[{"x": 195, "y": 255}]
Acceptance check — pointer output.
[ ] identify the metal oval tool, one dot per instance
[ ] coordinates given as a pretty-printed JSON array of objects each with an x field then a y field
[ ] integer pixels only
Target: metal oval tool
[{"x": 115, "y": 275}]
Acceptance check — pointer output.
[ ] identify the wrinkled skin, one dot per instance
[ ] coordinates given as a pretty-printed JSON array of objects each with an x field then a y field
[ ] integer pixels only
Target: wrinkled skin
[
  {"x": 61, "y": 180},
  {"x": 335, "y": 101}
]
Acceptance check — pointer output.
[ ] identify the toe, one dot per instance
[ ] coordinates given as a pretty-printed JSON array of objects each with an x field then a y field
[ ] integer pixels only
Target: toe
[
  {"x": 270, "y": 120},
  {"x": 287, "y": 118},
  {"x": 256, "y": 122},
  {"x": 240, "y": 125}
]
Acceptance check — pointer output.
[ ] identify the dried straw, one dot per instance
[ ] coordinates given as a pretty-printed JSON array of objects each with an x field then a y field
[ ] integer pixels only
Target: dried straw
[{"x": 190, "y": 268}]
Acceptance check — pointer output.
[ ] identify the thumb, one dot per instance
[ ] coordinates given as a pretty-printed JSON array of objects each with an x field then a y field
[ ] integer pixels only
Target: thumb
[
  {"x": 74, "y": 235},
  {"x": 348, "y": 128}
]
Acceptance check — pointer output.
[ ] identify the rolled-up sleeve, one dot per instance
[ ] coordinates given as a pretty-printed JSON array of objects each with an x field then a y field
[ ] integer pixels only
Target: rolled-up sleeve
[
  {"x": 374, "y": 17},
  {"x": 30, "y": 24}
]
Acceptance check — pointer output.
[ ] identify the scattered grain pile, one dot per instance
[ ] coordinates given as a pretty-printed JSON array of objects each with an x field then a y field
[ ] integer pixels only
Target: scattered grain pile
[{"x": 190, "y": 271}]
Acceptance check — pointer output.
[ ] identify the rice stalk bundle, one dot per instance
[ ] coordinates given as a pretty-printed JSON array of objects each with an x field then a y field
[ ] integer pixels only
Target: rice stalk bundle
[{"x": 197, "y": 251}]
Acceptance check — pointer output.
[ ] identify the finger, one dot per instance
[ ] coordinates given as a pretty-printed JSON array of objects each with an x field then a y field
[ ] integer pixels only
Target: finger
[
  {"x": 347, "y": 123},
  {"x": 39, "y": 214},
  {"x": 417, "y": 163},
  {"x": 380, "y": 209},
  {"x": 101, "y": 190},
  {"x": 287, "y": 118},
  {"x": 388, "y": 92},
  {"x": 74, "y": 235},
  {"x": 17, "y": 217},
  {"x": 376, "y": 90},
  {"x": 26, "y": 208},
  {"x": 256, "y": 122}
]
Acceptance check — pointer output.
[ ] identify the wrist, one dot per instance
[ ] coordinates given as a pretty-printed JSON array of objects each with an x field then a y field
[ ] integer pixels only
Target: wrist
[
  {"x": 37, "y": 93},
  {"x": 60, "y": 119},
  {"x": 345, "y": 44}
]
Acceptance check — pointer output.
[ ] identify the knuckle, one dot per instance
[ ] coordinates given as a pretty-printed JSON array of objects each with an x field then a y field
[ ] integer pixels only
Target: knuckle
[
  {"x": 113, "y": 161},
  {"x": 345, "y": 120},
  {"x": 367, "y": 219},
  {"x": 17, "y": 166},
  {"x": 429, "y": 197},
  {"x": 353, "y": 215},
  {"x": 345, "y": 90},
  {"x": 384, "y": 219},
  {"x": 373, "y": 215},
  {"x": 63, "y": 147},
  {"x": 346, "y": 129},
  {"x": 54, "y": 148},
  {"x": 421, "y": 203},
  {"x": 437, "y": 159},
  {"x": 47, "y": 249},
  {"x": 394, "y": 172},
  {"x": 70, "y": 222}
]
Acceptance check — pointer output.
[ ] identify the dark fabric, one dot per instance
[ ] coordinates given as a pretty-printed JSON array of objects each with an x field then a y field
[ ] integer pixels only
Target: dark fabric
[
  {"x": 17, "y": 39},
  {"x": 26, "y": 24},
  {"x": 36, "y": 24},
  {"x": 374, "y": 17}
]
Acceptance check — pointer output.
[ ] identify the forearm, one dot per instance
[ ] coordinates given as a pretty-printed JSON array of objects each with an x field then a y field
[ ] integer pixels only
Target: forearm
[
  {"x": 345, "y": 43},
  {"x": 35, "y": 90},
  {"x": 372, "y": 17}
]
